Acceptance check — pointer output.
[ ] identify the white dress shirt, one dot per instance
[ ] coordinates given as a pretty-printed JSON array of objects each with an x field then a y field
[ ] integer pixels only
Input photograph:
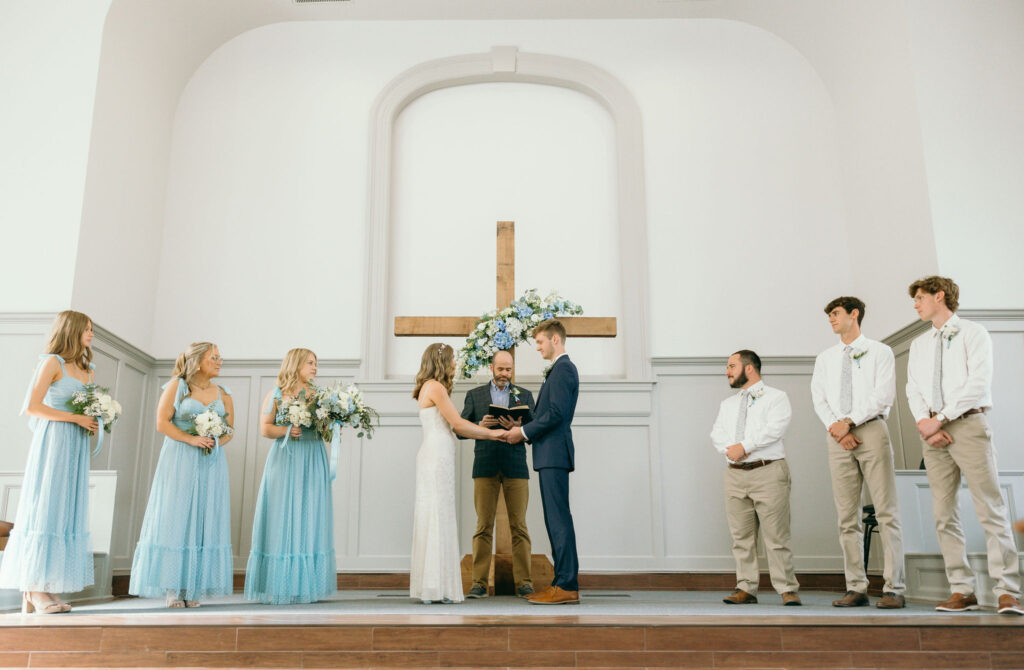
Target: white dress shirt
[
  {"x": 873, "y": 374},
  {"x": 767, "y": 419},
  {"x": 966, "y": 371}
]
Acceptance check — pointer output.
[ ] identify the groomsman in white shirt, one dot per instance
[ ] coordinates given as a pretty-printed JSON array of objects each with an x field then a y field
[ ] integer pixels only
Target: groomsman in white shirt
[
  {"x": 853, "y": 388},
  {"x": 949, "y": 388},
  {"x": 748, "y": 432}
]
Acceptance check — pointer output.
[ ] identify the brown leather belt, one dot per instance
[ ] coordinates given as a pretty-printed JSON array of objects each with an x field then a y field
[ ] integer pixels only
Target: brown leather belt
[
  {"x": 976, "y": 410},
  {"x": 752, "y": 465}
]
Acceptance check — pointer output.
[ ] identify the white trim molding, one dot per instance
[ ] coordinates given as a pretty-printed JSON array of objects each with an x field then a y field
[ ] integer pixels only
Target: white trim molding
[{"x": 508, "y": 64}]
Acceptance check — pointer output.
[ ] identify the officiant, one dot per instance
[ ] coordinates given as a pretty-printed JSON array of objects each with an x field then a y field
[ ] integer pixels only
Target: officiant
[{"x": 499, "y": 468}]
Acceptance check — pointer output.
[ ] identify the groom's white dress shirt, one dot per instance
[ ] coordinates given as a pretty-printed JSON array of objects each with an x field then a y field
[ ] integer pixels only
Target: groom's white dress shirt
[
  {"x": 873, "y": 376},
  {"x": 767, "y": 420},
  {"x": 966, "y": 370}
]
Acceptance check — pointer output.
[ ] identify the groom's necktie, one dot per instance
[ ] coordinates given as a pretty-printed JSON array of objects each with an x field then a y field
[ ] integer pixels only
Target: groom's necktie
[
  {"x": 846, "y": 384},
  {"x": 741, "y": 416}
]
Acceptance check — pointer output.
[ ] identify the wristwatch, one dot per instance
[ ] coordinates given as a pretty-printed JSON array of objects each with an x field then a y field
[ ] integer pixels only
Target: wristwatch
[
  {"x": 941, "y": 418},
  {"x": 849, "y": 422}
]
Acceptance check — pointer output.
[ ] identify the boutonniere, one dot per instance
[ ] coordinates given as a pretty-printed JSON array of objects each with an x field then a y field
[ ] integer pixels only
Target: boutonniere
[
  {"x": 547, "y": 370},
  {"x": 857, "y": 354},
  {"x": 514, "y": 392},
  {"x": 755, "y": 394},
  {"x": 948, "y": 332}
]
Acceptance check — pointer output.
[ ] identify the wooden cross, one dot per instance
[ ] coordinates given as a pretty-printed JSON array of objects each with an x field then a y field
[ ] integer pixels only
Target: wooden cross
[{"x": 462, "y": 326}]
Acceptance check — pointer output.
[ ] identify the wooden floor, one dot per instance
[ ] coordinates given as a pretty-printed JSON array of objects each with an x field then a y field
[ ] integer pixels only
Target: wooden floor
[{"x": 174, "y": 640}]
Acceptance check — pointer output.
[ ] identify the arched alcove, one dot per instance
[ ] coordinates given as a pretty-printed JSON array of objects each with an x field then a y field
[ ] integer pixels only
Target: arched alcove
[{"x": 507, "y": 64}]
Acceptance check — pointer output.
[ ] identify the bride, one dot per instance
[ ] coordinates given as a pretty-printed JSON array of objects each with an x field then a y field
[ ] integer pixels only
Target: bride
[{"x": 435, "y": 574}]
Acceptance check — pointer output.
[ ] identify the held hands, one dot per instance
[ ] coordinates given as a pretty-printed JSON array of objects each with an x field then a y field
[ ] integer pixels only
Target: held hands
[
  {"x": 940, "y": 439},
  {"x": 295, "y": 431},
  {"x": 839, "y": 430},
  {"x": 928, "y": 428},
  {"x": 849, "y": 442},
  {"x": 735, "y": 453},
  {"x": 87, "y": 422},
  {"x": 201, "y": 442}
]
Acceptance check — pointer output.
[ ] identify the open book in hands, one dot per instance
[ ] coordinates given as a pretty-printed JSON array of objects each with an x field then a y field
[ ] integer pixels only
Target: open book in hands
[{"x": 514, "y": 413}]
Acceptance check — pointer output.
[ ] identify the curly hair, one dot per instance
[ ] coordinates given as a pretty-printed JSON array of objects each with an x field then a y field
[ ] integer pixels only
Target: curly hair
[{"x": 934, "y": 284}]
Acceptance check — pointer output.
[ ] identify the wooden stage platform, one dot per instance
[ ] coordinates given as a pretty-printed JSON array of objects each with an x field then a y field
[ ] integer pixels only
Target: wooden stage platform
[{"x": 608, "y": 630}]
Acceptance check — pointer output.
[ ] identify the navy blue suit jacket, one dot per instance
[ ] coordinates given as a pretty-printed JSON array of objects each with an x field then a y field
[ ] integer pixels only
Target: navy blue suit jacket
[{"x": 550, "y": 432}]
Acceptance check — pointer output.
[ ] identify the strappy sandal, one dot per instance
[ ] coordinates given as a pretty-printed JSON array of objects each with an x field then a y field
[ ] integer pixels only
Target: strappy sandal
[
  {"x": 174, "y": 602},
  {"x": 192, "y": 603},
  {"x": 30, "y": 606}
]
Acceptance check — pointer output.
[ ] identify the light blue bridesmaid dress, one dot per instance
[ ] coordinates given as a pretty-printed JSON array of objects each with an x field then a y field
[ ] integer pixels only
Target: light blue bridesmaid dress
[
  {"x": 292, "y": 558},
  {"x": 185, "y": 546},
  {"x": 49, "y": 546}
]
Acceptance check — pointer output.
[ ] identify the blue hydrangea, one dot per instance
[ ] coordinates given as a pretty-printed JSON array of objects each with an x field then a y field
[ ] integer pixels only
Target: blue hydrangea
[
  {"x": 472, "y": 361},
  {"x": 500, "y": 324},
  {"x": 503, "y": 340},
  {"x": 559, "y": 306},
  {"x": 547, "y": 315},
  {"x": 524, "y": 311}
]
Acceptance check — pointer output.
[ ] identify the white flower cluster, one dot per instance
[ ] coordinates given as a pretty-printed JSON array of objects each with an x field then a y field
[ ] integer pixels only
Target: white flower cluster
[
  {"x": 297, "y": 413},
  {"x": 96, "y": 402},
  {"x": 211, "y": 424},
  {"x": 500, "y": 330}
]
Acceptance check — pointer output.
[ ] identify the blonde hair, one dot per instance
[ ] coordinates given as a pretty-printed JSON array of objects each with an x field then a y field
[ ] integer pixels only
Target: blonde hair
[
  {"x": 290, "y": 366},
  {"x": 438, "y": 363},
  {"x": 187, "y": 365},
  {"x": 66, "y": 338}
]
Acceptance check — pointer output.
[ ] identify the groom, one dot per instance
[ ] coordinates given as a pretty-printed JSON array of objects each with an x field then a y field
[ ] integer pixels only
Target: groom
[{"x": 553, "y": 459}]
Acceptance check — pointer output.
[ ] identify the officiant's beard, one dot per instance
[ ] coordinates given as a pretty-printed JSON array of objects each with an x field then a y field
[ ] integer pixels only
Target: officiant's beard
[{"x": 740, "y": 381}]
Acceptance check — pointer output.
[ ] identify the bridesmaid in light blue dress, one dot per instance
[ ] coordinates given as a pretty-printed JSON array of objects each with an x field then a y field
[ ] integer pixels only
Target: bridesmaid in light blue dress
[
  {"x": 48, "y": 552},
  {"x": 292, "y": 558},
  {"x": 184, "y": 552}
]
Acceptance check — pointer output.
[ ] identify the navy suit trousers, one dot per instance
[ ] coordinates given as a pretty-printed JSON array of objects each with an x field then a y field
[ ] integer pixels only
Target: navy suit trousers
[{"x": 554, "y": 494}]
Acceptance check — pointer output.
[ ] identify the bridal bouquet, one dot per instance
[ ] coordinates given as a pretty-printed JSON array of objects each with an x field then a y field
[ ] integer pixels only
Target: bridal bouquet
[
  {"x": 210, "y": 424},
  {"x": 295, "y": 412},
  {"x": 96, "y": 402},
  {"x": 336, "y": 404}
]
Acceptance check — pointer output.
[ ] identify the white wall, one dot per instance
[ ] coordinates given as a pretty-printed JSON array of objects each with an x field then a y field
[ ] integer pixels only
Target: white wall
[
  {"x": 270, "y": 138},
  {"x": 49, "y": 54},
  {"x": 967, "y": 59},
  {"x": 468, "y": 156}
]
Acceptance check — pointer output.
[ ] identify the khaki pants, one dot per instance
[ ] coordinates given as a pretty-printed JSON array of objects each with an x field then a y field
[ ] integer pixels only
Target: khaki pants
[
  {"x": 485, "y": 498},
  {"x": 971, "y": 455},
  {"x": 759, "y": 500},
  {"x": 870, "y": 463}
]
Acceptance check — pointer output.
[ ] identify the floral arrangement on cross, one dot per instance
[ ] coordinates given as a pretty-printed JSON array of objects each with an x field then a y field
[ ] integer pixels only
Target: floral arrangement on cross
[{"x": 500, "y": 330}]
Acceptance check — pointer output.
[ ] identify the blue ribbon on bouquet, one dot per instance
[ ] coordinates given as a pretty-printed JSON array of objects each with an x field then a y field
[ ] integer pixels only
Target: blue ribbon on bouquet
[
  {"x": 287, "y": 436},
  {"x": 99, "y": 435},
  {"x": 335, "y": 448}
]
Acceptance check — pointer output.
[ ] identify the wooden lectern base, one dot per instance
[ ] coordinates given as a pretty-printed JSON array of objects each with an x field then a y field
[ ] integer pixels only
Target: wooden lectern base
[{"x": 501, "y": 581}]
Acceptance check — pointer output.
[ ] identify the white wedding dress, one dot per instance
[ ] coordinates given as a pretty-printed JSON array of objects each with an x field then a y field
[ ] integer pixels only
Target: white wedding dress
[{"x": 435, "y": 573}]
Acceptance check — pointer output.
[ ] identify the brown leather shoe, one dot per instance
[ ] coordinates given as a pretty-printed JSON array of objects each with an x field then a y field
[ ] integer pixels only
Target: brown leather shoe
[
  {"x": 1009, "y": 605},
  {"x": 852, "y": 599},
  {"x": 791, "y": 599},
  {"x": 958, "y": 602},
  {"x": 891, "y": 601},
  {"x": 555, "y": 595},
  {"x": 740, "y": 597}
]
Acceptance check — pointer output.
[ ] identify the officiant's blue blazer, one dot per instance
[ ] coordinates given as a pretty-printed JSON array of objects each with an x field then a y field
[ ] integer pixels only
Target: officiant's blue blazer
[{"x": 549, "y": 433}]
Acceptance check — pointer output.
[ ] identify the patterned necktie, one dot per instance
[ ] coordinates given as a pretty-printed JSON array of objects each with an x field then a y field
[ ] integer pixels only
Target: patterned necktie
[
  {"x": 846, "y": 384},
  {"x": 937, "y": 375},
  {"x": 741, "y": 416}
]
